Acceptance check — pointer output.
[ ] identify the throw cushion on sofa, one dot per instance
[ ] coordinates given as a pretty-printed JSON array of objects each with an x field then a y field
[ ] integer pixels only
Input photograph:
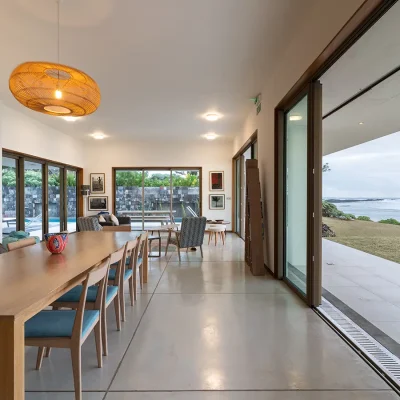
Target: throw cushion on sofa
[
  {"x": 114, "y": 219},
  {"x": 101, "y": 219}
]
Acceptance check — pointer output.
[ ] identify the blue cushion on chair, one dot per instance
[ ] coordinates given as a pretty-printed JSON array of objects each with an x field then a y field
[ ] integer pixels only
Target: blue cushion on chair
[
  {"x": 74, "y": 294},
  {"x": 113, "y": 272},
  {"x": 58, "y": 323}
]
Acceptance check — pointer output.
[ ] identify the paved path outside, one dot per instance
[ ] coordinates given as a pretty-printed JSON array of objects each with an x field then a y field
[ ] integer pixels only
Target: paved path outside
[{"x": 368, "y": 284}]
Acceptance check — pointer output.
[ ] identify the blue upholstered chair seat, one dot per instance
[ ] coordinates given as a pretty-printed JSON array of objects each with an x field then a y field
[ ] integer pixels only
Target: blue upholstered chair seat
[
  {"x": 58, "y": 323},
  {"x": 74, "y": 294},
  {"x": 113, "y": 272}
]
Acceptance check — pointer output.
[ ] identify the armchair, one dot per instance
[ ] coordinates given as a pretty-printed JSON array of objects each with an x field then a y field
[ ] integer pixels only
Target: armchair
[{"x": 190, "y": 235}]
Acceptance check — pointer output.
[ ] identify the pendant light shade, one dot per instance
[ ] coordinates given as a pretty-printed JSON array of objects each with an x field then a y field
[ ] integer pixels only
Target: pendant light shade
[{"x": 54, "y": 89}]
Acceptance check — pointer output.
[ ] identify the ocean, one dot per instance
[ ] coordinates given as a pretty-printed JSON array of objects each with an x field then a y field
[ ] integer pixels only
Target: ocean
[{"x": 376, "y": 209}]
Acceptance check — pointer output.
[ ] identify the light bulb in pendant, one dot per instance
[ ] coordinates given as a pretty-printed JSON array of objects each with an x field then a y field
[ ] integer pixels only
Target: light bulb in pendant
[{"x": 58, "y": 94}]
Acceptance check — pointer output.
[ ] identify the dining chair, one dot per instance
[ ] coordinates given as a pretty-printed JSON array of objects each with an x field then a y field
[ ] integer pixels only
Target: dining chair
[
  {"x": 21, "y": 243},
  {"x": 127, "y": 271},
  {"x": 70, "y": 328},
  {"x": 112, "y": 294},
  {"x": 137, "y": 262}
]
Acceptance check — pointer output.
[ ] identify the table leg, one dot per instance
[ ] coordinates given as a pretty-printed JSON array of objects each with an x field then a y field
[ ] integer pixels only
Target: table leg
[
  {"x": 12, "y": 359},
  {"x": 145, "y": 261}
]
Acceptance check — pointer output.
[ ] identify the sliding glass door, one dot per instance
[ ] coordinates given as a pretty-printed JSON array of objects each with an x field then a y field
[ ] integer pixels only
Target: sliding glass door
[
  {"x": 9, "y": 195},
  {"x": 33, "y": 198},
  {"x": 296, "y": 195},
  {"x": 157, "y": 196},
  {"x": 185, "y": 194},
  {"x": 71, "y": 205},
  {"x": 298, "y": 208},
  {"x": 54, "y": 205}
]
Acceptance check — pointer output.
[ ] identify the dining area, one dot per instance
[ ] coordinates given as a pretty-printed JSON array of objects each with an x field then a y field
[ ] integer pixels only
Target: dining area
[{"x": 57, "y": 301}]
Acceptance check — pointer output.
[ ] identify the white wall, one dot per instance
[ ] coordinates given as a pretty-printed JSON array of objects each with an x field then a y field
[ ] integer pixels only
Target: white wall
[
  {"x": 101, "y": 156},
  {"x": 322, "y": 23},
  {"x": 21, "y": 133}
]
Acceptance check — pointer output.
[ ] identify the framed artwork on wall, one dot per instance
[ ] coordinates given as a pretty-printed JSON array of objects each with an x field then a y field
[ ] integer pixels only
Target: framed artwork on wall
[
  {"x": 98, "y": 203},
  {"x": 97, "y": 183},
  {"x": 216, "y": 180},
  {"x": 217, "y": 202}
]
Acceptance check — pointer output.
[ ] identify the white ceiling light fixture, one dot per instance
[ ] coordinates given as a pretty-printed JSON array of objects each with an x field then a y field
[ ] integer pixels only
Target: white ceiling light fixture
[
  {"x": 361, "y": 123},
  {"x": 70, "y": 119},
  {"x": 98, "y": 135},
  {"x": 210, "y": 136},
  {"x": 212, "y": 117},
  {"x": 295, "y": 118}
]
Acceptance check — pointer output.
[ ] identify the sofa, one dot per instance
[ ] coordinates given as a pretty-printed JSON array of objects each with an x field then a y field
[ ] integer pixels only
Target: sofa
[{"x": 124, "y": 224}]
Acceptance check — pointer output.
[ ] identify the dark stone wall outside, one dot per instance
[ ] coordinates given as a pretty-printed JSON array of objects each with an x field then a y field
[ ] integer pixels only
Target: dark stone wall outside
[{"x": 33, "y": 201}]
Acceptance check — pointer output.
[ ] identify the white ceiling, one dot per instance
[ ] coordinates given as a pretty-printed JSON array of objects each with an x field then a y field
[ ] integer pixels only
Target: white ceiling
[
  {"x": 160, "y": 64},
  {"x": 374, "y": 55}
]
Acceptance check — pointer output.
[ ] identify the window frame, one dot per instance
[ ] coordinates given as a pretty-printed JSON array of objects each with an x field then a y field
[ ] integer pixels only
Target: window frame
[
  {"x": 142, "y": 169},
  {"x": 20, "y": 188}
]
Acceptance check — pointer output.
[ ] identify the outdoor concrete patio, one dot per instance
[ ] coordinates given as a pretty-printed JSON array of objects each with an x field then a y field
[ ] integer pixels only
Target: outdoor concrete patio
[{"x": 367, "y": 284}]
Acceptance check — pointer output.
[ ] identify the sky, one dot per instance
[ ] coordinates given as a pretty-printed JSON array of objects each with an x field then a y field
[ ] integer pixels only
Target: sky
[{"x": 371, "y": 169}]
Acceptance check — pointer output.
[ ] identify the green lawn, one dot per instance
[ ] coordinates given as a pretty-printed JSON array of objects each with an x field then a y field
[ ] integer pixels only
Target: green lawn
[{"x": 381, "y": 240}]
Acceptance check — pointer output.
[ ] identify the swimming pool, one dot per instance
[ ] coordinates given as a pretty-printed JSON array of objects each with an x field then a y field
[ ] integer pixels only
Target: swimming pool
[{"x": 52, "y": 219}]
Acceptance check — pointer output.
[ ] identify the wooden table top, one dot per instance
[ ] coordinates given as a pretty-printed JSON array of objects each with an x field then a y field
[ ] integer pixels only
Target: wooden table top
[{"x": 32, "y": 277}]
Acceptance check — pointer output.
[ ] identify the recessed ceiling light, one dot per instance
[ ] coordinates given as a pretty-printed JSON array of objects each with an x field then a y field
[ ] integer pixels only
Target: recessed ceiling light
[
  {"x": 295, "y": 118},
  {"x": 98, "y": 135},
  {"x": 361, "y": 123},
  {"x": 210, "y": 136},
  {"x": 212, "y": 117},
  {"x": 70, "y": 119}
]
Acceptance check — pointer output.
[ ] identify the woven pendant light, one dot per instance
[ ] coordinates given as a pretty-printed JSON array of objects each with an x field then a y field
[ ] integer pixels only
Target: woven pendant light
[{"x": 53, "y": 88}]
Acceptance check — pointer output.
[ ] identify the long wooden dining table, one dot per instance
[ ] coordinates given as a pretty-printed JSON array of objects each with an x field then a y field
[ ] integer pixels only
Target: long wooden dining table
[{"x": 30, "y": 279}]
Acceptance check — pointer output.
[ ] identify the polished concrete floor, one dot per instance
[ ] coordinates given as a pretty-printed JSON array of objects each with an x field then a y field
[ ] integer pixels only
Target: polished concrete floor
[{"x": 210, "y": 330}]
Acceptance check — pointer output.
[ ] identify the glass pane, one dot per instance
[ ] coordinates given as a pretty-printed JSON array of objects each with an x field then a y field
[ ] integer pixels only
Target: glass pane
[
  {"x": 9, "y": 195},
  {"x": 71, "y": 201},
  {"x": 33, "y": 179},
  {"x": 157, "y": 198},
  {"x": 245, "y": 156},
  {"x": 237, "y": 163},
  {"x": 296, "y": 195},
  {"x": 185, "y": 194},
  {"x": 54, "y": 206},
  {"x": 128, "y": 196},
  {"x": 255, "y": 150}
]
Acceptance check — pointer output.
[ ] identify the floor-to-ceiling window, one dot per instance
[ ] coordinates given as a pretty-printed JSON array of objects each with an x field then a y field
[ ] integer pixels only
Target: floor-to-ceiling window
[
  {"x": 156, "y": 196},
  {"x": 38, "y": 196},
  {"x": 249, "y": 151}
]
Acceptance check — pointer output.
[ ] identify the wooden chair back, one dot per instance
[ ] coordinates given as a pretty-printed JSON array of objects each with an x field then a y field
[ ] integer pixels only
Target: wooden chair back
[
  {"x": 98, "y": 274},
  {"x": 118, "y": 258},
  {"x": 21, "y": 243},
  {"x": 131, "y": 246},
  {"x": 140, "y": 248}
]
